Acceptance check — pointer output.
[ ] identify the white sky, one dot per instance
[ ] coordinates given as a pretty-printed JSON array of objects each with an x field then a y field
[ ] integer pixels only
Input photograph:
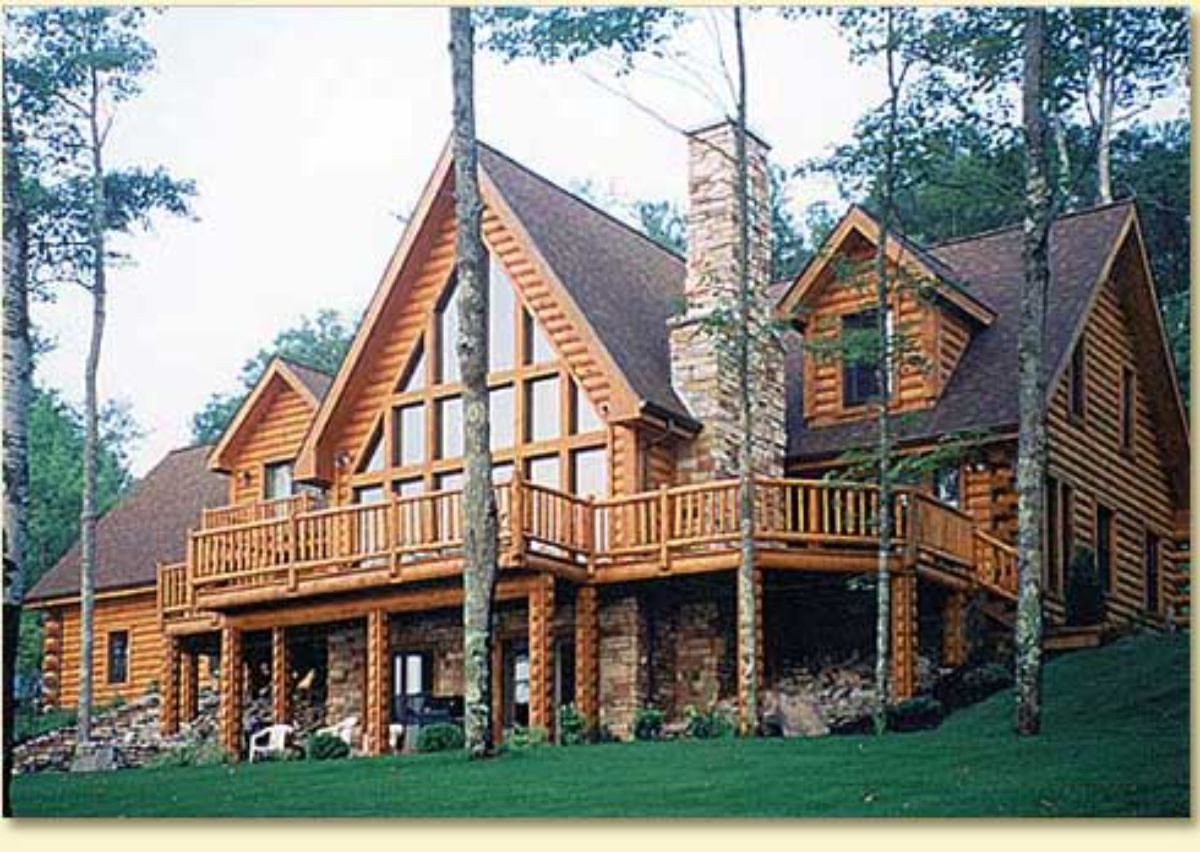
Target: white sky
[{"x": 307, "y": 130}]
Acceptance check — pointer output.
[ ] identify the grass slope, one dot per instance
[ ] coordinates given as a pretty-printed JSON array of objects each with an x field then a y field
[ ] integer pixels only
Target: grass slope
[{"x": 1114, "y": 742}]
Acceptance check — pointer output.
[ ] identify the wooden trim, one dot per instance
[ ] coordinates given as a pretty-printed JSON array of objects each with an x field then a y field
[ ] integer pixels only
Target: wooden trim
[{"x": 48, "y": 603}]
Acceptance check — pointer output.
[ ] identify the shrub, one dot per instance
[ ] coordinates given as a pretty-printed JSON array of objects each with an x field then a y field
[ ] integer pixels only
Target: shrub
[
  {"x": 442, "y": 736},
  {"x": 572, "y": 728},
  {"x": 326, "y": 747},
  {"x": 706, "y": 724},
  {"x": 192, "y": 753},
  {"x": 647, "y": 723},
  {"x": 1085, "y": 592},
  {"x": 521, "y": 738},
  {"x": 970, "y": 685},
  {"x": 915, "y": 714}
]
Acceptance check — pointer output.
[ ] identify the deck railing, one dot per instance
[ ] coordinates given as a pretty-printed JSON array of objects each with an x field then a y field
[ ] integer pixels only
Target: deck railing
[
  {"x": 995, "y": 563},
  {"x": 282, "y": 507},
  {"x": 173, "y": 589},
  {"x": 287, "y": 542}
]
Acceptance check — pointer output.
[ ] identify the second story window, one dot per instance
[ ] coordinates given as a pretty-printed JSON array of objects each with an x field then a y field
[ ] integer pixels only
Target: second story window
[
  {"x": 118, "y": 656},
  {"x": 946, "y": 485},
  {"x": 860, "y": 377},
  {"x": 1128, "y": 412},
  {"x": 277, "y": 480},
  {"x": 1077, "y": 381}
]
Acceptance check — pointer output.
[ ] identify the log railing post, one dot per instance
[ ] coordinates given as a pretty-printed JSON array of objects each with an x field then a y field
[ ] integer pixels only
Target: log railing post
[
  {"x": 518, "y": 515},
  {"x": 392, "y": 533},
  {"x": 589, "y": 534},
  {"x": 664, "y": 528}
]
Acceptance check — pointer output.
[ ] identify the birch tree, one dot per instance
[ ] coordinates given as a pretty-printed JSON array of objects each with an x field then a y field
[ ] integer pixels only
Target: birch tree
[{"x": 479, "y": 505}]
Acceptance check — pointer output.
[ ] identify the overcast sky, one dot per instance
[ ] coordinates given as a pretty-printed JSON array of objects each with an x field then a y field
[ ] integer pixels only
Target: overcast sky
[{"x": 308, "y": 130}]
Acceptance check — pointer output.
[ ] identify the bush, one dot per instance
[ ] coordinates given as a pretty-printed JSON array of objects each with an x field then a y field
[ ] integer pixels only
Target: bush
[
  {"x": 968, "y": 686},
  {"x": 647, "y": 723},
  {"x": 706, "y": 724},
  {"x": 572, "y": 729},
  {"x": 1085, "y": 592},
  {"x": 521, "y": 738},
  {"x": 194, "y": 753},
  {"x": 326, "y": 747},
  {"x": 915, "y": 714},
  {"x": 442, "y": 736}
]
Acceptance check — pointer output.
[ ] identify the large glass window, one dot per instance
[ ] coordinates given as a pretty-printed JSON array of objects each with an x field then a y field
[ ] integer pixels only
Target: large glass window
[
  {"x": 589, "y": 473},
  {"x": 373, "y": 457},
  {"x": 583, "y": 413},
  {"x": 544, "y": 421},
  {"x": 412, "y": 684},
  {"x": 860, "y": 380},
  {"x": 118, "y": 656},
  {"x": 409, "y": 487},
  {"x": 502, "y": 417},
  {"x": 537, "y": 345},
  {"x": 450, "y": 427},
  {"x": 409, "y": 435},
  {"x": 448, "y": 330},
  {"x": 502, "y": 318},
  {"x": 414, "y": 379},
  {"x": 451, "y": 480},
  {"x": 277, "y": 480},
  {"x": 946, "y": 485},
  {"x": 543, "y": 470}
]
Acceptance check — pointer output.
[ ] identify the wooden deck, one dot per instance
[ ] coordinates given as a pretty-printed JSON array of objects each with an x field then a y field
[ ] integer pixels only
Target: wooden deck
[{"x": 287, "y": 549}]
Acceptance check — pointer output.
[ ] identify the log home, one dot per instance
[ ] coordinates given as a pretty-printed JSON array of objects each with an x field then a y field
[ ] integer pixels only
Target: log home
[{"x": 614, "y": 427}]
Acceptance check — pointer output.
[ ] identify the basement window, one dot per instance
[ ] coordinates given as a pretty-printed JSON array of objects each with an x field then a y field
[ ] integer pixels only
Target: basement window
[{"x": 118, "y": 656}]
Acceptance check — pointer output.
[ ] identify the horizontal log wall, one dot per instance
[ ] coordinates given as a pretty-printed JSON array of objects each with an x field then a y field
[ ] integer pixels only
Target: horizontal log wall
[{"x": 274, "y": 435}]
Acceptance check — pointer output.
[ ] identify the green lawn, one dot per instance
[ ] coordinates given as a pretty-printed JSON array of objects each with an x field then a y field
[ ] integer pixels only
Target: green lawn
[{"x": 1115, "y": 742}]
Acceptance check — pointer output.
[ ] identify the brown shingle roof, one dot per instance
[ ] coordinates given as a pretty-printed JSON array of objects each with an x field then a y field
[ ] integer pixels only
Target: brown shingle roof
[
  {"x": 317, "y": 381},
  {"x": 982, "y": 393},
  {"x": 147, "y": 527},
  {"x": 626, "y": 285}
]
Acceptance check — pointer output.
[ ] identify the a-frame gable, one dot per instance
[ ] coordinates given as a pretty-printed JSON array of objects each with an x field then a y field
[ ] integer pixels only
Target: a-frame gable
[
  {"x": 903, "y": 255},
  {"x": 279, "y": 380},
  {"x": 411, "y": 288}
]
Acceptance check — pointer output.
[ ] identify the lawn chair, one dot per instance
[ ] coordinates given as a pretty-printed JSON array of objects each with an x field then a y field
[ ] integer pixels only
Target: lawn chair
[
  {"x": 343, "y": 730},
  {"x": 271, "y": 740}
]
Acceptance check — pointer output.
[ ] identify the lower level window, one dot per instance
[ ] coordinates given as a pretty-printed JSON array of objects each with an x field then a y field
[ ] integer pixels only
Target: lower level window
[{"x": 118, "y": 656}]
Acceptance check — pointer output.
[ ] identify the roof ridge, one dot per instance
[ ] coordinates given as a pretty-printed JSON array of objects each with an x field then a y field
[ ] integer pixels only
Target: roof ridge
[
  {"x": 585, "y": 202},
  {"x": 991, "y": 232}
]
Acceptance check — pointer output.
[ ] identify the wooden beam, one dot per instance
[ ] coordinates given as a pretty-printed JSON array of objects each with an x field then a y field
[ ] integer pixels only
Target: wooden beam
[
  {"x": 954, "y": 630},
  {"x": 279, "y": 676},
  {"x": 168, "y": 710},
  {"x": 230, "y": 714},
  {"x": 541, "y": 654},
  {"x": 587, "y": 656},
  {"x": 376, "y": 706},
  {"x": 904, "y": 635},
  {"x": 497, "y": 690}
]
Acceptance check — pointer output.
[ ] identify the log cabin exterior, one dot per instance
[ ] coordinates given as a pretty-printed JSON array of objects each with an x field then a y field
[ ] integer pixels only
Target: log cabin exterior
[{"x": 615, "y": 434}]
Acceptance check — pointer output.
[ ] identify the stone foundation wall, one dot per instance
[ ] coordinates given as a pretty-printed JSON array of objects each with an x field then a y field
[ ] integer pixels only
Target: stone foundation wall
[
  {"x": 346, "y": 676},
  {"x": 624, "y": 679},
  {"x": 694, "y": 651},
  {"x": 439, "y": 633}
]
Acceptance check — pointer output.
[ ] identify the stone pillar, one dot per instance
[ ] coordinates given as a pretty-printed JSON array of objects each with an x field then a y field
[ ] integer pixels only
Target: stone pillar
[
  {"x": 747, "y": 658},
  {"x": 189, "y": 685},
  {"x": 904, "y": 635},
  {"x": 279, "y": 676},
  {"x": 168, "y": 708},
  {"x": 230, "y": 713},
  {"x": 954, "y": 630},
  {"x": 624, "y": 661},
  {"x": 52, "y": 630},
  {"x": 703, "y": 354},
  {"x": 587, "y": 650},
  {"x": 375, "y": 726},
  {"x": 541, "y": 654}
]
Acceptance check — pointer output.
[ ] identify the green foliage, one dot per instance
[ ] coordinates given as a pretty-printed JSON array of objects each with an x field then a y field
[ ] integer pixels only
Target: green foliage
[
  {"x": 191, "y": 753},
  {"x": 1085, "y": 591},
  {"x": 970, "y": 685},
  {"x": 707, "y": 724},
  {"x": 572, "y": 727},
  {"x": 648, "y": 723},
  {"x": 522, "y": 738},
  {"x": 326, "y": 747},
  {"x": 915, "y": 714},
  {"x": 442, "y": 736},
  {"x": 320, "y": 342},
  {"x": 30, "y": 725}
]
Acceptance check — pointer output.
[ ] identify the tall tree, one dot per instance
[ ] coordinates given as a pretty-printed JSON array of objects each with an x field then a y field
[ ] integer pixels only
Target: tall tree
[
  {"x": 480, "y": 545},
  {"x": 1031, "y": 442},
  {"x": 320, "y": 342},
  {"x": 84, "y": 63}
]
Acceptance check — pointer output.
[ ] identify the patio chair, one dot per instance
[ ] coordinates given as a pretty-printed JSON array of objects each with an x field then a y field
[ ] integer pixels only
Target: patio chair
[
  {"x": 269, "y": 741},
  {"x": 343, "y": 730}
]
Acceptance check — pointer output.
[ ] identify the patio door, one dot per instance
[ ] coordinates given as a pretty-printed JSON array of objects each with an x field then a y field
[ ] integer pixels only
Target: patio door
[{"x": 412, "y": 684}]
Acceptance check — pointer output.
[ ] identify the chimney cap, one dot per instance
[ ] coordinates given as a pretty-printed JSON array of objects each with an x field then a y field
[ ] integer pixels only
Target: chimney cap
[{"x": 704, "y": 129}]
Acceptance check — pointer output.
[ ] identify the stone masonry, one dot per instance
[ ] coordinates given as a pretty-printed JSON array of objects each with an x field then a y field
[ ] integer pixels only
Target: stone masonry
[
  {"x": 346, "y": 676},
  {"x": 703, "y": 351}
]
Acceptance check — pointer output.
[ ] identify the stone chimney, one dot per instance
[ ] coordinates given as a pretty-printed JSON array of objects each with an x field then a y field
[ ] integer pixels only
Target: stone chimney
[{"x": 704, "y": 353}]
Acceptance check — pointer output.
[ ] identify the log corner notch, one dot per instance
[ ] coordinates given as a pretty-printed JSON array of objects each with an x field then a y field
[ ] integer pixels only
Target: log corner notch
[
  {"x": 168, "y": 709},
  {"x": 375, "y": 739},
  {"x": 587, "y": 657},
  {"x": 904, "y": 634},
  {"x": 541, "y": 651},
  {"x": 279, "y": 676},
  {"x": 231, "y": 693}
]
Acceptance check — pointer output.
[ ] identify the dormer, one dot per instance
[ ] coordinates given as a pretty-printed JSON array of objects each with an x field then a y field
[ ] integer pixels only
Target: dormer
[{"x": 930, "y": 313}]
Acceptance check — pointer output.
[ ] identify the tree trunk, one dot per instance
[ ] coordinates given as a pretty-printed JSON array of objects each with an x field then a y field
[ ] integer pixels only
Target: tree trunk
[
  {"x": 1031, "y": 448},
  {"x": 18, "y": 370},
  {"x": 748, "y": 650},
  {"x": 1104, "y": 140},
  {"x": 91, "y": 417},
  {"x": 1064, "y": 164},
  {"x": 479, "y": 505},
  {"x": 883, "y": 594}
]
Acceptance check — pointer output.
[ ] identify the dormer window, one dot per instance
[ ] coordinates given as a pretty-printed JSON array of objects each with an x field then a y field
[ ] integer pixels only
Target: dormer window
[{"x": 860, "y": 377}]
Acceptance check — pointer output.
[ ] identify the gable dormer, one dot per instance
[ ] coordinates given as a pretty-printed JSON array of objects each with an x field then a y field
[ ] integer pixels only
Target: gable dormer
[{"x": 930, "y": 313}]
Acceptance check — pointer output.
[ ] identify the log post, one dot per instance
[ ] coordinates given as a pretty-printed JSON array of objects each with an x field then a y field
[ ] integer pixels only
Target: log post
[
  {"x": 376, "y": 726},
  {"x": 230, "y": 713},
  {"x": 189, "y": 685},
  {"x": 587, "y": 654},
  {"x": 904, "y": 635},
  {"x": 954, "y": 630},
  {"x": 168, "y": 708},
  {"x": 497, "y": 690},
  {"x": 541, "y": 661},
  {"x": 279, "y": 675},
  {"x": 52, "y": 636}
]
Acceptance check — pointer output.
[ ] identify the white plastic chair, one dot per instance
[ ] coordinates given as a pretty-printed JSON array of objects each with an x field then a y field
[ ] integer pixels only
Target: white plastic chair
[
  {"x": 343, "y": 730},
  {"x": 270, "y": 740}
]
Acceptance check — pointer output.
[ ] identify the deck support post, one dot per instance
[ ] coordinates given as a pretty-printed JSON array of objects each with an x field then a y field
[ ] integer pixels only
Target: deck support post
[
  {"x": 230, "y": 713},
  {"x": 755, "y": 660},
  {"x": 189, "y": 684},
  {"x": 904, "y": 635},
  {"x": 497, "y": 689},
  {"x": 168, "y": 708},
  {"x": 279, "y": 676},
  {"x": 587, "y": 656},
  {"x": 954, "y": 630},
  {"x": 375, "y": 730},
  {"x": 541, "y": 651}
]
